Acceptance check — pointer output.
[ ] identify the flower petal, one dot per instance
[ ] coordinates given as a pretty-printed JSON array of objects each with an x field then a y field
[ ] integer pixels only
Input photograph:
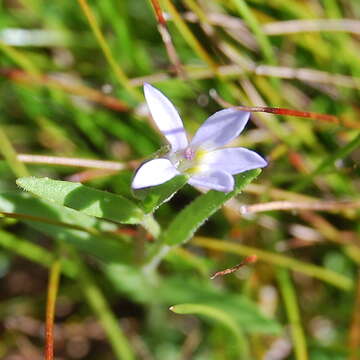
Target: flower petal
[
  {"x": 232, "y": 160},
  {"x": 153, "y": 172},
  {"x": 215, "y": 180},
  {"x": 220, "y": 128},
  {"x": 166, "y": 118}
]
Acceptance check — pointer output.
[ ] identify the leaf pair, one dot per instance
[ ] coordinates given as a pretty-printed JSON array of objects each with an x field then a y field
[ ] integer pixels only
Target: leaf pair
[{"x": 116, "y": 208}]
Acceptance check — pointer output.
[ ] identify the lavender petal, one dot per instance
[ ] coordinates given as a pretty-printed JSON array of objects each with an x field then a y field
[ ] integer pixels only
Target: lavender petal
[
  {"x": 220, "y": 128},
  {"x": 215, "y": 180},
  {"x": 153, "y": 172},
  {"x": 233, "y": 160},
  {"x": 166, "y": 118}
]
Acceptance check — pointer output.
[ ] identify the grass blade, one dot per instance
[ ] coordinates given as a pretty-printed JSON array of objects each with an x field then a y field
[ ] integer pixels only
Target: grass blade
[
  {"x": 331, "y": 277},
  {"x": 293, "y": 313},
  {"x": 219, "y": 316}
]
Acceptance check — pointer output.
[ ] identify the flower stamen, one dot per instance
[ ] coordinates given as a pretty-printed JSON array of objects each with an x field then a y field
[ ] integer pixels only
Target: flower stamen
[{"x": 189, "y": 153}]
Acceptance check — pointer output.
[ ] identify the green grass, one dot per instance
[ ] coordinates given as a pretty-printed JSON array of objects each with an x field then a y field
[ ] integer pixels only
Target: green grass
[{"x": 74, "y": 91}]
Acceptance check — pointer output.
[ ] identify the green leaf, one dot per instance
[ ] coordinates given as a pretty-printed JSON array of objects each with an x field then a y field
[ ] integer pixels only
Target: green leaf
[
  {"x": 130, "y": 280},
  {"x": 196, "y": 213},
  {"x": 155, "y": 196},
  {"x": 328, "y": 162},
  {"x": 109, "y": 321},
  {"x": 34, "y": 252},
  {"x": 102, "y": 246},
  {"x": 135, "y": 284},
  {"x": 202, "y": 291},
  {"x": 220, "y": 316},
  {"x": 85, "y": 199}
]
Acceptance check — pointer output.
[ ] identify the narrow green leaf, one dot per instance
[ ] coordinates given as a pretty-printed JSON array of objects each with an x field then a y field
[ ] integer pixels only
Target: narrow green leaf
[
  {"x": 85, "y": 199},
  {"x": 194, "y": 215},
  {"x": 202, "y": 291},
  {"x": 290, "y": 299},
  {"x": 328, "y": 162},
  {"x": 250, "y": 19},
  {"x": 130, "y": 280},
  {"x": 33, "y": 252},
  {"x": 155, "y": 196},
  {"x": 8, "y": 152},
  {"x": 220, "y": 316},
  {"x": 104, "y": 46},
  {"x": 318, "y": 272},
  {"x": 97, "y": 300},
  {"x": 101, "y": 246}
]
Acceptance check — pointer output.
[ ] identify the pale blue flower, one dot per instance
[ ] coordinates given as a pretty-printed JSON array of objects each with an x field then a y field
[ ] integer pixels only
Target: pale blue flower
[{"x": 204, "y": 159}]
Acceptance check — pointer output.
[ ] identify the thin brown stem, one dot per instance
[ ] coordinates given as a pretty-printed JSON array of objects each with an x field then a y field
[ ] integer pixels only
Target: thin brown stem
[
  {"x": 166, "y": 37},
  {"x": 50, "y": 309},
  {"x": 46, "y": 220},
  {"x": 308, "y": 75},
  {"x": 248, "y": 260},
  {"x": 276, "y": 111},
  {"x": 315, "y": 25},
  {"x": 282, "y": 27},
  {"x": 292, "y": 205},
  {"x": 77, "y": 162},
  {"x": 354, "y": 335},
  {"x": 234, "y": 70},
  {"x": 66, "y": 86},
  {"x": 290, "y": 112}
]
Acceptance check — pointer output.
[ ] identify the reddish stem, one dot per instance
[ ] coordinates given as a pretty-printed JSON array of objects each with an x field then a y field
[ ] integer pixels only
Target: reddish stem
[
  {"x": 166, "y": 37},
  {"x": 77, "y": 89},
  {"x": 248, "y": 260},
  {"x": 159, "y": 14},
  {"x": 290, "y": 112},
  {"x": 50, "y": 309},
  {"x": 275, "y": 110}
]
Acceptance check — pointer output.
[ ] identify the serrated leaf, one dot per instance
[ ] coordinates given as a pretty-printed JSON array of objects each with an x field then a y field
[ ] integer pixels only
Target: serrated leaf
[
  {"x": 87, "y": 200},
  {"x": 155, "y": 196},
  {"x": 196, "y": 213}
]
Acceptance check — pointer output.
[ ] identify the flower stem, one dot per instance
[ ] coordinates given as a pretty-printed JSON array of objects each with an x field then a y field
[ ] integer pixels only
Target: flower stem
[
  {"x": 151, "y": 225},
  {"x": 157, "y": 254}
]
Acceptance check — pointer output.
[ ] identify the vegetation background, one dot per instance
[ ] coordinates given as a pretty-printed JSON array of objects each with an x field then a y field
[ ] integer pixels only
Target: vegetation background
[{"x": 71, "y": 74}]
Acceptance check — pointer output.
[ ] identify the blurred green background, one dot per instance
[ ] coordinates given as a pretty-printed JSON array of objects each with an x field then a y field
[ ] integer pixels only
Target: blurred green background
[{"x": 71, "y": 75}]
